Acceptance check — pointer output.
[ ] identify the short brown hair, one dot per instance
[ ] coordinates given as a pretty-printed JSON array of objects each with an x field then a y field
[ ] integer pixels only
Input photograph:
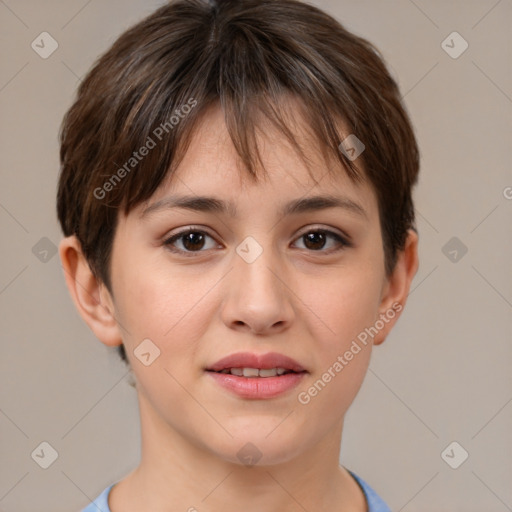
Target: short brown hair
[{"x": 244, "y": 55}]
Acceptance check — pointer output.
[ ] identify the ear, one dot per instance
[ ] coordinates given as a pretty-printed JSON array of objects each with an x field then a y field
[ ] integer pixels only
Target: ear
[
  {"x": 91, "y": 297},
  {"x": 397, "y": 286}
]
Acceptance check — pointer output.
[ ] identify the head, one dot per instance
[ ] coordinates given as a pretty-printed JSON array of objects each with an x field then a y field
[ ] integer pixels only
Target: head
[{"x": 257, "y": 106}]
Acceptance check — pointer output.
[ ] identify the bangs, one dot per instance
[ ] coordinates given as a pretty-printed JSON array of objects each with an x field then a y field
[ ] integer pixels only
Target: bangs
[{"x": 165, "y": 115}]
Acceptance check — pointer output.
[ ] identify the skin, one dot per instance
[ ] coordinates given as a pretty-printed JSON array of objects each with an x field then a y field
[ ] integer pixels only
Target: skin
[{"x": 305, "y": 303}]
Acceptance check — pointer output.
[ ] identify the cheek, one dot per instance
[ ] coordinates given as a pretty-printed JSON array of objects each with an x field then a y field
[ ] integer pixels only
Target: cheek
[
  {"x": 169, "y": 310},
  {"x": 345, "y": 305}
]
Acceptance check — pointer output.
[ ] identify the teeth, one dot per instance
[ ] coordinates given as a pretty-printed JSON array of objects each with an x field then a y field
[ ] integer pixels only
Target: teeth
[
  {"x": 255, "y": 372},
  {"x": 251, "y": 372},
  {"x": 271, "y": 372}
]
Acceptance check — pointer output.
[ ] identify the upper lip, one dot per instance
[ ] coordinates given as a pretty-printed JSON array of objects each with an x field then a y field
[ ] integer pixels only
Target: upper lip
[{"x": 260, "y": 361}]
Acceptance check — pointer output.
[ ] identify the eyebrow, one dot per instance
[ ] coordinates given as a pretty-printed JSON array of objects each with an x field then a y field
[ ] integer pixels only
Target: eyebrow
[{"x": 219, "y": 206}]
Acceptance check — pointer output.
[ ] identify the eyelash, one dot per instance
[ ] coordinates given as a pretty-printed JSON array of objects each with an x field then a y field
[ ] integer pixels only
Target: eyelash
[{"x": 343, "y": 241}]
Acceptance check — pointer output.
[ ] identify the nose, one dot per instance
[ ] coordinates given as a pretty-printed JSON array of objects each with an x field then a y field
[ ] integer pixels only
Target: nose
[{"x": 258, "y": 298}]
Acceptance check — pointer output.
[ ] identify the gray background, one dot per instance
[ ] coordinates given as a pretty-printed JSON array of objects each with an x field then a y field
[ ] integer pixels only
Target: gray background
[{"x": 442, "y": 376}]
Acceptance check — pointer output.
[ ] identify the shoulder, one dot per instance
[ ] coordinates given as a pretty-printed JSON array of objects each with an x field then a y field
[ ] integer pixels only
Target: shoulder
[
  {"x": 100, "y": 504},
  {"x": 375, "y": 502}
]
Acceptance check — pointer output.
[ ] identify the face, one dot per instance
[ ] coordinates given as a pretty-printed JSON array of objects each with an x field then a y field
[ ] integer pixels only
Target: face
[{"x": 203, "y": 284}]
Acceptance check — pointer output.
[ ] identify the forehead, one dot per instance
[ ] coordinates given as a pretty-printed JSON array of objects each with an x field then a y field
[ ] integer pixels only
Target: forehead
[{"x": 211, "y": 167}]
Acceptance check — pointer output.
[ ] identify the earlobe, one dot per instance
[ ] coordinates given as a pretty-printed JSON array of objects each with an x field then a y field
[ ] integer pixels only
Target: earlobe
[
  {"x": 397, "y": 287},
  {"x": 90, "y": 296}
]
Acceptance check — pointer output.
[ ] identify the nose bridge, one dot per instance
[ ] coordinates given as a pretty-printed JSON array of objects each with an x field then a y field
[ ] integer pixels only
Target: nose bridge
[
  {"x": 257, "y": 297},
  {"x": 256, "y": 266}
]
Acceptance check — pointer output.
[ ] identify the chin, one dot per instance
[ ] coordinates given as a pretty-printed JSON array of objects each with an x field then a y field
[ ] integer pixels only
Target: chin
[{"x": 260, "y": 445}]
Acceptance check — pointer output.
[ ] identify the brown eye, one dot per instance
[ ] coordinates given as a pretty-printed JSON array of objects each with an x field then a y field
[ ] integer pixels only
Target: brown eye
[
  {"x": 189, "y": 241},
  {"x": 316, "y": 240},
  {"x": 193, "y": 241}
]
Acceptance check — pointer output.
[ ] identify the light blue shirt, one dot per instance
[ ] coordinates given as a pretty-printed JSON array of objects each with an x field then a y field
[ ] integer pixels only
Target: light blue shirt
[{"x": 375, "y": 503}]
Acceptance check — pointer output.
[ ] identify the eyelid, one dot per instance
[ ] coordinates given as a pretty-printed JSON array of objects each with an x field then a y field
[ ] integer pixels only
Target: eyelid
[
  {"x": 335, "y": 231},
  {"x": 187, "y": 229}
]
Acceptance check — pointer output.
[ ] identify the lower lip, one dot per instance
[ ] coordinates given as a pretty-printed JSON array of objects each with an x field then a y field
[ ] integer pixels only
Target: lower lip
[{"x": 258, "y": 387}]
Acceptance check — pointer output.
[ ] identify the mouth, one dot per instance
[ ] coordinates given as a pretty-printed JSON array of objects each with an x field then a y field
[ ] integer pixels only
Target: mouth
[
  {"x": 252, "y": 373},
  {"x": 251, "y": 365},
  {"x": 257, "y": 376}
]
